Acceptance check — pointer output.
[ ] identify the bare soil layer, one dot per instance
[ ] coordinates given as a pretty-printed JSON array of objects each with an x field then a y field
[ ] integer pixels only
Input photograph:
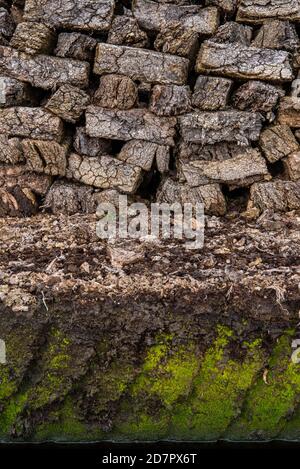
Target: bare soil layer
[{"x": 166, "y": 344}]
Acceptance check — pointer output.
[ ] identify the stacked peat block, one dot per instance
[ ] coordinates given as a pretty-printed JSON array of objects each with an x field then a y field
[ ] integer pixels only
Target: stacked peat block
[{"x": 171, "y": 100}]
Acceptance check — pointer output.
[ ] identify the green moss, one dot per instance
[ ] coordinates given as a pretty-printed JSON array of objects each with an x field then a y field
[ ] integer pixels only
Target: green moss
[
  {"x": 268, "y": 405},
  {"x": 166, "y": 375},
  {"x": 218, "y": 391},
  {"x": 64, "y": 425},
  {"x": 10, "y": 413},
  {"x": 54, "y": 371},
  {"x": 18, "y": 351}
]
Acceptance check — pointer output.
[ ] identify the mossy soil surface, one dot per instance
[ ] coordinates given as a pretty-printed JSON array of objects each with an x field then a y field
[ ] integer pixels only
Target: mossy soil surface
[{"x": 180, "y": 345}]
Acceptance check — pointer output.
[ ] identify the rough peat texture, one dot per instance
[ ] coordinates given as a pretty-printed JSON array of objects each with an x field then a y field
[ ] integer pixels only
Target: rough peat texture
[{"x": 166, "y": 102}]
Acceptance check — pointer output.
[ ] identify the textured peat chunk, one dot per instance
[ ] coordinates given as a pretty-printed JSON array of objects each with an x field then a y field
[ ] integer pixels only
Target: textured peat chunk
[
  {"x": 10, "y": 150},
  {"x": 116, "y": 91},
  {"x": 68, "y": 103},
  {"x": 3, "y": 41},
  {"x": 33, "y": 122},
  {"x": 70, "y": 197},
  {"x": 125, "y": 31},
  {"x": 237, "y": 61},
  {"x": 289, "y": 111},
  {"x": 138, "y": 124},
  {"x": 17, "y": 202},
  {"x": 89, "y": 15},
  {"x": 18, "y": 191},
  {"x": 163, "y": 159},
  {"x": 43, "y": 71},
  {"x": 295, "y": 88},
  {"x": 11, "y": 176},
  {"x": 13, "y": 92},
  {"x": 220, "y": 126},
  {"x": 276, "y": 195},
  {"x": 141, "y": 153},
  {"x": 232, "y": 32},
  {"x": 140, "y": 64},
  {"x": 241, "y": 170},
  {"x": 170, "y": 100},
  {"x": 154, "y": 16},
  {"x": 258, "y": 11},
  {"x": 218, "y": 152},
  {"x": 277, "y": 142},
  {"x": 33, "y": 38},
  {"x": 44, "y": 156},
  {"x": 277, "y": 34},
  {"x": 178, "y": 40},
  {"x": 296, "y": 59},
  {"x": 104, "y": 172},
  {"x": 7, "y": 25},
  {"x": 292, "y": 165},
  {"x": 256, "y": 96},
  {"x": 90, "y": 146},
  {"x": 228, "y": 6},
  {"x": 211, "y": 93},
  {"x": 75, "y": 46},
  {"x": 211, "y": 196}
]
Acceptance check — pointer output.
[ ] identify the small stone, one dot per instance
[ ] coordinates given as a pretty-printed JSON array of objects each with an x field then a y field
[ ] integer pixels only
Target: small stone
[
  {"x": 121, "y": 257},
  {"x": 85, "y": 267}
]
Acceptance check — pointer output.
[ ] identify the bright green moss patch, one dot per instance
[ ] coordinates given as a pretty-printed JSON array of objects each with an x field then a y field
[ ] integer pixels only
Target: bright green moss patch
[
  {"x": 269, "y": 403},
  {"x": 10, "y": 413},
  {"x": 218, "y": 391},
  {"x": 166, "y": 376}
]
